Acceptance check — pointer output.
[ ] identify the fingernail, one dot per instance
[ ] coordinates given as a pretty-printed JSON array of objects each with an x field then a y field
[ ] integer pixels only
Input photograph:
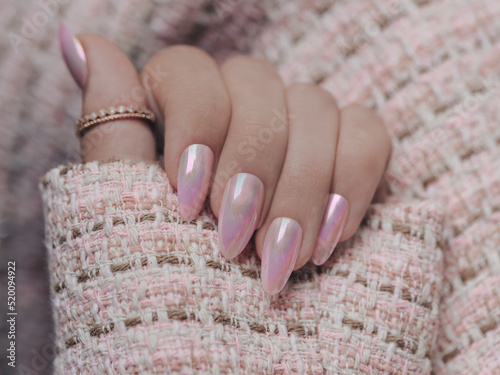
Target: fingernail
[
  {"x": 195, "y": 171},
  {"x": 74, "y": 55},
  {"x": 240, "y": 212},
  {"x": 331, "y": 229},
  {"x": 281, "y": 249}
]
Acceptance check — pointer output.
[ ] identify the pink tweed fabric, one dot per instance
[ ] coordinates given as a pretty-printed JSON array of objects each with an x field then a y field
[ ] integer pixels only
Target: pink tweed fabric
[
  {"x": 137, "y": 290},
  {"x": 134, "y": 289}
]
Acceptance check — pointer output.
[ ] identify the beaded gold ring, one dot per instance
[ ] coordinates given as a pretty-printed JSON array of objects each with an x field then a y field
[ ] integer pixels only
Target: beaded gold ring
[{"x": 111, "y": 114}]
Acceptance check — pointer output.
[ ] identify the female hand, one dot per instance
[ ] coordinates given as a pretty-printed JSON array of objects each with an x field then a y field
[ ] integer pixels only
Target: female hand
[{"x": 286, "y": 162}]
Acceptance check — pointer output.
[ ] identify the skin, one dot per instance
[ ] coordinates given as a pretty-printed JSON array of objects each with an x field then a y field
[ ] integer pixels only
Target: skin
[
  {"x": 111, "y": 75},
  {"x": 295, "y": 139}
]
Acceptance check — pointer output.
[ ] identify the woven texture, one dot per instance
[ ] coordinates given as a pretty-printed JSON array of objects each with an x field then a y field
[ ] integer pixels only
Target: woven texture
[
  {"x": 136, "y": 290},
  {"x": 430, "y": 68}
]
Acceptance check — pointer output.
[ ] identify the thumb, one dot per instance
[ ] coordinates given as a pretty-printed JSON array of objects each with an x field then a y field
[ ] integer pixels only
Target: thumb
[{"x": 109, "y": 80}]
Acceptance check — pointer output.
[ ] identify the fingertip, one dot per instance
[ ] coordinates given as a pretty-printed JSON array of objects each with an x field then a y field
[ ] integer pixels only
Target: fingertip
[{"x": 332, "y": 227}]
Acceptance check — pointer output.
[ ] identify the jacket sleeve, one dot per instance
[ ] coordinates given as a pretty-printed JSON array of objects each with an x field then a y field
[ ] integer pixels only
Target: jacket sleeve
[{"x": 137, "y": 290}]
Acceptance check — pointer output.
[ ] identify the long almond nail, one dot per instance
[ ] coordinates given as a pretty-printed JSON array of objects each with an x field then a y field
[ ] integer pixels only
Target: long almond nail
[
  {"x": 74, "y": 55},
  {"x": 281, "y": 249},
  {"x": 240, "y": 212},
  {"x": 332, "y": 226},
  {"x": 195, "y": 171}
]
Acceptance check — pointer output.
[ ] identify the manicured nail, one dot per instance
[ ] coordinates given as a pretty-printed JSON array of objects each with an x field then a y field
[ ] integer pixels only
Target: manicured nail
[
  {"x": 281, "y": 249},
  {"x": 240, "y": 212},
  {"x": 74, "y": 55},
  {"x": 195, "y": 171},
  {"x": 331, "y": 229}
]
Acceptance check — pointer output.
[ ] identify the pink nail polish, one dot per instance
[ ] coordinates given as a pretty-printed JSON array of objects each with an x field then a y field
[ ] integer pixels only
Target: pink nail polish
[
  {"x": 331, "y": 229},
  {"x": 281, "y": 249},
  {"x": 240, "y": 212},
  {"x": 195, "y": 171},
  {"x": 74, "y": 55}
]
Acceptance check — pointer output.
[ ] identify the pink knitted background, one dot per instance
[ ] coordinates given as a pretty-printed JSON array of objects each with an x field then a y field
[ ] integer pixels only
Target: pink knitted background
[
  {"x": 137, "y": 290},
  {"x": 430, "y": 68}
]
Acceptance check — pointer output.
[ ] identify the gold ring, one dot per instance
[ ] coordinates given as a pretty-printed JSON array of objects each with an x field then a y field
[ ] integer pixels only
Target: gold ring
[{"x": 113, "y": 113}]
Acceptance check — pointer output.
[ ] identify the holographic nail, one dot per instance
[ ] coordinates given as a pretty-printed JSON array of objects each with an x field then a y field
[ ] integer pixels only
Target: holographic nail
[
  {"x": 195, "y": 171},
  {"x": 281, "y": 249},
  {"x": 334, "y": 220},
  {"x": 240, "y": 212}
]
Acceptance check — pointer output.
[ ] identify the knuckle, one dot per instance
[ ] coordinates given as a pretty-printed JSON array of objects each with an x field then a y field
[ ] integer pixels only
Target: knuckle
[
  {"x": 240, "y": 63},
  {"x": 181, "y": 51},
  {"x": 310, "y": 90},
  {"x": 253, "y": 113},
  {"x": 315, "y": 97},
  {"x": 359, "y": 116},
  {"x": 177, "y": 55},
  {"x": 359, "y": 111},
  {"x": 207, "y": 103},
  {"x": 299, "y": 89},
  {"x": 368, "y": 132},
  {"x": 301, "y": 175}
]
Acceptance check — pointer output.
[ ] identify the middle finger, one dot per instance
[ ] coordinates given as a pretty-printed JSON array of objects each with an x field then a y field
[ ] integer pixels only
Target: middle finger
[
  {"x": 287, "y": 238},
  {"x": 253, "y": 153}
]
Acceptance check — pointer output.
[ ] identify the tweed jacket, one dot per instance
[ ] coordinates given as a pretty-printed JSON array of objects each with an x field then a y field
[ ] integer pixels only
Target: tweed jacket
[{"x": 135, "y": 289}]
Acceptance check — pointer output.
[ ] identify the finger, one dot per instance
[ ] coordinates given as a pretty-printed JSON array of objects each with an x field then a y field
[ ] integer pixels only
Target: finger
[
  {"x": 187, "y": 86},
  {"x": 364, "y": 149},
  {"x": 253, "y": 153},
  {"x": 304, "y": 184},
  {"x": 382, "y": 192},
  {"x": 108, "y": 79}
]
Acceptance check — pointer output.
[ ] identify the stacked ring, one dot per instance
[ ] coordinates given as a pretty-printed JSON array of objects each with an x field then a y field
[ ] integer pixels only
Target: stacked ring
[{"x": 113, "y": 113}]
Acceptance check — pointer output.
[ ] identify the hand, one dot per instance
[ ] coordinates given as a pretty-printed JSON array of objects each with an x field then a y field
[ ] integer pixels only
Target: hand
[{"x": 286, "y": 161}]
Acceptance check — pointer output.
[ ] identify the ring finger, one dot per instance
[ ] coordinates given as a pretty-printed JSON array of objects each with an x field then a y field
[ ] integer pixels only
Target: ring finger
[{"x": 287, "y": 238}]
